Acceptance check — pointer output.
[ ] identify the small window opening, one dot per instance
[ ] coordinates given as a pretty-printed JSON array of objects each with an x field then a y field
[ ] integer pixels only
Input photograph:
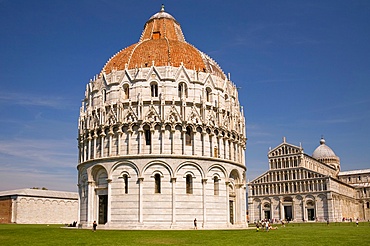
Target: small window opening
[
  {"x": 156, "y": 35},
  {"x": 125, "y": 183},
  {"x": 148, "y": 137},
  {"x": 189, "y": 184},
  {"x": 157, "y": 180},
  {"x": 208, "y": 94},
  {"x": 126, "y": 92},
  {"x": 216, "y": 186},
  {"x": 154, "y": 90},
  {"x": 188, "y": 136}
]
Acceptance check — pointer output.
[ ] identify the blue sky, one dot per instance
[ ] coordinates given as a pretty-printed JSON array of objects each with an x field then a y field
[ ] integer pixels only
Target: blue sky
[{"x": 303, "y": 68}]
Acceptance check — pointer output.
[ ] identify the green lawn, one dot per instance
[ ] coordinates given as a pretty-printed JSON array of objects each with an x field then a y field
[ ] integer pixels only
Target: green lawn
[{"x": 293, "y": 234}]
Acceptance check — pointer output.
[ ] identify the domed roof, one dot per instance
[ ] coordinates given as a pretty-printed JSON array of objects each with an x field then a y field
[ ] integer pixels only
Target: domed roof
[
  {"x": 162, "y": 43},
  {"x": 323, "y": 151}
]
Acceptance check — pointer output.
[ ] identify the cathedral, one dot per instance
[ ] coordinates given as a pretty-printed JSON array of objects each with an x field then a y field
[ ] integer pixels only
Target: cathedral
[
  {"x": 303, "y": 188},
  {"x": 161, "y": 138}
]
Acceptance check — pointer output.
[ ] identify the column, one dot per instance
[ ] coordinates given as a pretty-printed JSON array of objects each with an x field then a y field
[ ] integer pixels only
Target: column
[
  {"x": 172, "y": 142},
  {"x": 94, "y": 147},
  {"x": 315, "y": 206},
  {"x": 109, "y": 181},
  {"x": 227, "y": 203},
  {"x": 84, "y": 147},
  {"x": 218, "y": 146},
  {"x": 91, "y": 202},
  {"x": 183, "y": 141},
  {"x": 240, "y": 217},
  {"x": 89, "y": 147},
  {"x": 203, "y": 137},
  {"x": 173, "y": 182},
  {"x": 102, "y": 143},
  {"x": 151, "y": 141},
  {"x": 140, "y": 132},
  {"x": 281, "y": 209},
  {"x": 141, "y": 219},
  {"x": 110, "y": 134},
  {"x": 119, "y": 135},
  {"x": 304, "y": 210},
  {"x": 225, "y": 147},
  {"x": 204, "y": 183},
  {"x": 162, "y": 139},
  {"x": 272, "y": 209},
  {"x": 129, "y": 135}
]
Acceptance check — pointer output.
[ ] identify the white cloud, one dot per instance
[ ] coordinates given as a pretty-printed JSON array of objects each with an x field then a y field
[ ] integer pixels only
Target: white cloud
[
  {"x": 39, "y": 152},
  {"x": 33, "y": 100}
]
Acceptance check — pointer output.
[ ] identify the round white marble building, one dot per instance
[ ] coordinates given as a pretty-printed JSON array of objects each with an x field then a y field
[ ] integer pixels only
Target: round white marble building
[{"x": 162, "y": 138}]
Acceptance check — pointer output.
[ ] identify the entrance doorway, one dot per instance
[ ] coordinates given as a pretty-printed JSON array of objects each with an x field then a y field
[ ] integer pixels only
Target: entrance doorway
[
  {"x": 267, "y": 215},
  {"x": 311, "y": 214},
  {"x": 288, "y": 213},
  {"x": 103, "y": 209}
]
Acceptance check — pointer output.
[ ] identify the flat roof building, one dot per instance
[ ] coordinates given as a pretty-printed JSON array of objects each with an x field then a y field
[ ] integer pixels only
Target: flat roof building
[{"x": 34, "y": 206}]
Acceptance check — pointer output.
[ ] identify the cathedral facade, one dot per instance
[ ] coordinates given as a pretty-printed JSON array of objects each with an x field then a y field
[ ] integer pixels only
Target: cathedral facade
[
  {"x": 161, "y": 138},
  {"x": 299, "y": 187}
]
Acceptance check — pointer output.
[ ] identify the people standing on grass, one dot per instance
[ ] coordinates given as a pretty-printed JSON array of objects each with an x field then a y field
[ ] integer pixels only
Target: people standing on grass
[
  {"x": 94, "y": 226},
  {"x": 267, "y": 225},
  {"x": 357, "y": 222},
  {"x": 195, "y": 224}
]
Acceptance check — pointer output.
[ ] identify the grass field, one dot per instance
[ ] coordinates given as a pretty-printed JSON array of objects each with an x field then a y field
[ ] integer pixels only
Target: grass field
[{"x": 293, "y": 234}]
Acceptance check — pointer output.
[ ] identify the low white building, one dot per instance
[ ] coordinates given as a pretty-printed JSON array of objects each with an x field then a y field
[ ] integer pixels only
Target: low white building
[{"x": 34, "y": 206}]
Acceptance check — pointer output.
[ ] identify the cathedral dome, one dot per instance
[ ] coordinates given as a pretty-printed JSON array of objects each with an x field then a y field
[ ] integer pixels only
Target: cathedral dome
[
  {"x": 162, "y": 43},
  {"x": 325, "y": 154}
]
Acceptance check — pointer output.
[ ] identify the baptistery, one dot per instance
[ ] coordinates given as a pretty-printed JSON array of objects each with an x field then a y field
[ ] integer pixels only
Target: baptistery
[{"x": 161, "y": 138}]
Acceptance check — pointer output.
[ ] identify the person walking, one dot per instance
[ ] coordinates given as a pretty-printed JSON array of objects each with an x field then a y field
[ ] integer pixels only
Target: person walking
[
  {"x": 94, "y": 226},
  {"x": 195, "y": 224}
]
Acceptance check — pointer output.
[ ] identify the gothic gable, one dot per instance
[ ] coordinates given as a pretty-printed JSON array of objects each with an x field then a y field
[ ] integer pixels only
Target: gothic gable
[
  {"x": 208, "y": 82},
  {"x": 173, "y": 115},
  {"x": 211, "y": 119},
  {"x": 125, "y": 78},
  {"x": 182, "y": 74},
  {"x": 194, "y": 117},
  {"x": 129, "y": 116},
  {"x": 111, "y": 117},
  {"x": 285, "y": 149},
  {"x": 152, "y": 115},
  {"x": 153, "y": 74}
]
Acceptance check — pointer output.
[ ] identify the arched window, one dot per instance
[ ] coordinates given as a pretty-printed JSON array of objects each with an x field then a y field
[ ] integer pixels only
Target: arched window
[
  {"x": 125, "y": 183},
  {"x": 208, "y": 94},
  {"x": 157, "y": 181},
  {"x": 148, "y": 136},
  {"x": 216, "y": 186},
  {"x": 189, "y": 184},
  {"x": 126, "y": 91},
  {"x": 182, "y": 90},
  {"x": 154, "y": 89},
  {"x": 188, "y": 136}
]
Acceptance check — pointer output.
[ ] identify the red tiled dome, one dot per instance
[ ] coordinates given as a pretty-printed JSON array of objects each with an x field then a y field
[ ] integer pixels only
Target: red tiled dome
[{"x": 162, "y": 43}]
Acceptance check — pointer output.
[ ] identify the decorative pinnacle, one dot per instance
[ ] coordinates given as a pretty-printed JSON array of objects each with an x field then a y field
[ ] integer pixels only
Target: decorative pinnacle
[{"x": 162, "y": 9}]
